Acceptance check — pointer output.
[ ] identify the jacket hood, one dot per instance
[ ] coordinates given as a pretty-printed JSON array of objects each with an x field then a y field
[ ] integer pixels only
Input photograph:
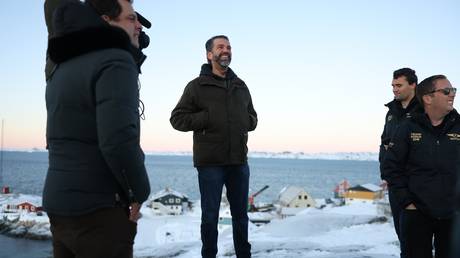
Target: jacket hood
[
  {"x": 80, "y": 30},
  {"x": 206, "y": 70}
]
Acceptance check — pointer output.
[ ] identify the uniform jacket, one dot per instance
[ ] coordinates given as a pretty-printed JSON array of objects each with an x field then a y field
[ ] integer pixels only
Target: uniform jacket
[
  {"x": 93, "y": 127},
  {"x": 421, "y": 164},
  {"x": 395, "y": 116},
  {"x": 220, "y": 113}
]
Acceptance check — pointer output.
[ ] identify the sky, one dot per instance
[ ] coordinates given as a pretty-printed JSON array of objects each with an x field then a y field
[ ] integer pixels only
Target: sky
[{"x": 319, "y": 72}]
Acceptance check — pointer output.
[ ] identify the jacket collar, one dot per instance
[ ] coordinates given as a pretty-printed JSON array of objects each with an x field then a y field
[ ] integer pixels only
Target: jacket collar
[
  {"x": 208, "y": 78},
  {"x": 449, "y": 120},
  {"x": 395, "y": 107}
]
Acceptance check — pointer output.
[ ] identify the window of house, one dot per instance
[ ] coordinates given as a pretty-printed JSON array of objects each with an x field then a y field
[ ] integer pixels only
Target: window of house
[
  {"x": 171, "y": 200},
  {"x": 300, "y": 197},
  {"x": 305, "y": 197},
  {"x": 177, "y": 200}
]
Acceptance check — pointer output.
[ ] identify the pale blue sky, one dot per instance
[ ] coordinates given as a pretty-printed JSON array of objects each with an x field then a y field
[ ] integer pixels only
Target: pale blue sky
[{"x": 319, "y": 71}]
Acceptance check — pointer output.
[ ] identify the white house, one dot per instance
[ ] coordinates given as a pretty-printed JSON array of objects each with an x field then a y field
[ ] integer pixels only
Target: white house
[
  {"x": 293, "y": 199},
  {"x": 169, "y": 202}
]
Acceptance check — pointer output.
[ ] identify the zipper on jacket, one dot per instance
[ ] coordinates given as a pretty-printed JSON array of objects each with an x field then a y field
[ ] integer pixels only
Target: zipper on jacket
[{"x": 228, "y": 119}]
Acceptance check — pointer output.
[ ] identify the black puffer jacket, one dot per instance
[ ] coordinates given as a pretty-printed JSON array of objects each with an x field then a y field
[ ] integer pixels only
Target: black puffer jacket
[
  {"x": 93, "y": 127},
  {"x": 220, "y": 113},
  {"x": 421, "y": 164},
  {"x": 395, "y": 116}
]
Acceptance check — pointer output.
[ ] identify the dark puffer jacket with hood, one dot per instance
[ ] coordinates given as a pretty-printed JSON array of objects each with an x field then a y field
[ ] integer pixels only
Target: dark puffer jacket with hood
[{"x": 93, "y": 127}]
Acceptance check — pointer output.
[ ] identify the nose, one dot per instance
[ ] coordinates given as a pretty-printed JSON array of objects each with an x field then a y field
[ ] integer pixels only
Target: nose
[{"x": 138, "y": 25}]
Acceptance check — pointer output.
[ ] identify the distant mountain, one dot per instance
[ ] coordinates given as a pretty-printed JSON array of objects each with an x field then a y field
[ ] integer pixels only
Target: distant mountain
[{"x": 370, "y": 156}]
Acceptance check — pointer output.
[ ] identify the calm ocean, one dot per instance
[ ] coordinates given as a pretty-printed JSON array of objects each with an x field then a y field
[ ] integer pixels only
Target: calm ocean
[{"x": 25, "y": 172}]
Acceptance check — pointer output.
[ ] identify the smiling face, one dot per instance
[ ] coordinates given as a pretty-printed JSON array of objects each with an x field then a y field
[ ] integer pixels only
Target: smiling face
[
  {"x": 439, "y": 101},
  {"x": 221, "y": 53}
]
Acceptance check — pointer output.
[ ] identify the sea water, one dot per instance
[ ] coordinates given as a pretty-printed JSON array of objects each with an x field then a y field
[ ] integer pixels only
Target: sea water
[{"x": 25, "y": 172}]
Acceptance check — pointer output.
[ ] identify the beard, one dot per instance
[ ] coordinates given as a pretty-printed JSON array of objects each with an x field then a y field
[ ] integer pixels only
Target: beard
[{"x": 224, "y": 62}]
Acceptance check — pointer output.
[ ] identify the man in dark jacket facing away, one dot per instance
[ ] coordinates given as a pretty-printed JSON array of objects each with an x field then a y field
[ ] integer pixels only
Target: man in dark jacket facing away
[
  {"x": 421, "y": 165},
  {"x": 96, "y": 181},
  {"x": 404, "y": 104},
  {"x": 218, "y": 108}
]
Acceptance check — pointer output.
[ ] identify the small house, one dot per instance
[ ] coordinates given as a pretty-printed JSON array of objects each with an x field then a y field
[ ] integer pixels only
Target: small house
[
  {"x": 6, "y": 190},
  {"x": 369, "y": 192},
  {"x": 294, "y": 199},
  {"x": 29, "y": 207},
  {"x": 169, "y": 202}
]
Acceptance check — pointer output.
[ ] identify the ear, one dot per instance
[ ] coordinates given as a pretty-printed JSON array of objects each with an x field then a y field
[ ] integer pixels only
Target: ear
[
  {"x": 413, "y": 85},
  {"x": 105, "y": 18},
  {"x": 209, "y": 55},
  {"x": 427, "y": 99}
]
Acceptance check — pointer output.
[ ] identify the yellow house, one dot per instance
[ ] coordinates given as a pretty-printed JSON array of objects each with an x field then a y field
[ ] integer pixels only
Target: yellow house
[{"x": 364, "y": 192}]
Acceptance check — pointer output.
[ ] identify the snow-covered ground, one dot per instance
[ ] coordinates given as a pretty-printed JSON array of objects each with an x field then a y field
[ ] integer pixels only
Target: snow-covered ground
[
  {"x": 346, "y": 232},
  {"x": 330, "y": 232}
]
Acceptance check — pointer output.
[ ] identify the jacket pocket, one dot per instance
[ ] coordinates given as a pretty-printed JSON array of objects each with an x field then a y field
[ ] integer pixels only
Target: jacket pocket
[{"x": 208, "y": 148}]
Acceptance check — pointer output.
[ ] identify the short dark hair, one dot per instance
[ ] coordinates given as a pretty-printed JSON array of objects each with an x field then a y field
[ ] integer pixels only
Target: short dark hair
[
  {"x": 110, "y": 8},
  {"x": 410, "y": 75},
  {"x": 210, "y": 43},
  {"x": 427, "y": 86}
]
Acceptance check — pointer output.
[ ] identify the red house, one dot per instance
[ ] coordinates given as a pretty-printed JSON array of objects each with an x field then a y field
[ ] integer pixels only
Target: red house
[
  {"x": 5, "y": 190},
  {"x": 29, "y": 207}
]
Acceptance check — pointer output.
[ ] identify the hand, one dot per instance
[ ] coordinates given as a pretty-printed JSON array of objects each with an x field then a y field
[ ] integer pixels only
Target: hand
[
  {"x": 411, "y": 207},
  {"x": 134, "y": 212}
]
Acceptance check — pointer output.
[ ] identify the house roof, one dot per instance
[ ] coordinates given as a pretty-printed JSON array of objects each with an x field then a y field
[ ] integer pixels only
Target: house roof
[
  {"x": 168, "y": 191},
  {"x": 289, "y": 193},
  {"x": 366, "y": 188}
]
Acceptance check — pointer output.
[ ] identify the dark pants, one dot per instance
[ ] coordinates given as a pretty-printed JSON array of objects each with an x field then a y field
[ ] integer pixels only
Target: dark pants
[
  {"x": 106, "y": 233},
  {"x": 396, "y": 212},
  {"x": 420, "y": 229},
  {"x": 211, "y": 180},
  {"x": 456, "y": 237}
]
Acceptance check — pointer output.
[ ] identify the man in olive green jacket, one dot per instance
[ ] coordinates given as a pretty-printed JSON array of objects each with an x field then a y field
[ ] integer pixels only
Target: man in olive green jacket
[{"x": 217, "y": 107}]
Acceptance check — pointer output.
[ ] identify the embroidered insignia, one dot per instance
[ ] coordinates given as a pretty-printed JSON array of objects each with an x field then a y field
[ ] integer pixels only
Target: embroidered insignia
[
  {"x": 389, "y": 118},
  {"x": 416, "y": 136},
  {"x": 454, "y": 136}
]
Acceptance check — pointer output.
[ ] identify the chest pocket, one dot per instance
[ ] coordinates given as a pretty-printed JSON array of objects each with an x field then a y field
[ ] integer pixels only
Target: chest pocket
[{"x": 422, "y": 150}]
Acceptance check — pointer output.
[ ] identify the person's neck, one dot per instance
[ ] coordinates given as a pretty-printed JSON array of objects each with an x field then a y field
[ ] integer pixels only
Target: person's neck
[
  {"x": 436, "y": 118},
  {"x": 219, "y": 71},
  {"x": 406, "y": 102}
]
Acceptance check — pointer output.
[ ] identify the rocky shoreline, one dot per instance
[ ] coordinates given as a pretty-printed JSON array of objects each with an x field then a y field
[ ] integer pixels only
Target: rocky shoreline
[{"x": 24, "y": 229}]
